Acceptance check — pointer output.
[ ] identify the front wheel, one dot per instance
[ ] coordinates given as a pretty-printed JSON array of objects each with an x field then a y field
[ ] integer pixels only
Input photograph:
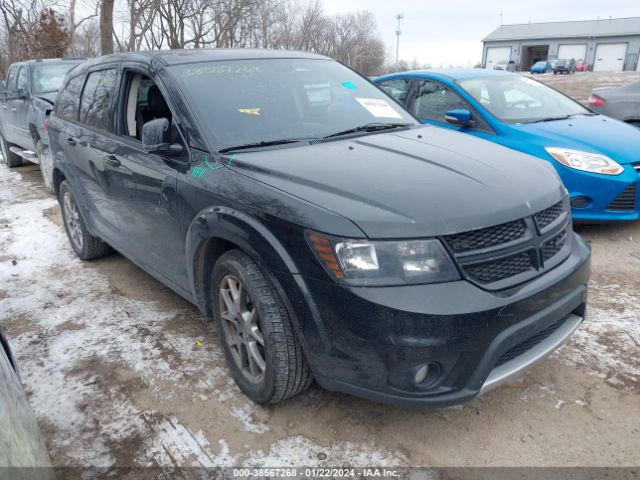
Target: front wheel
[
  {"x": 45, "y": 160},
  {"x": 262, "y": 350},
  {"x": 85, "y": 245}
]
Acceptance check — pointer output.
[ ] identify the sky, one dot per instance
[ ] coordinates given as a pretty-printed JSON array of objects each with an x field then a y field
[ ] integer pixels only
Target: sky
[{"x": 450, "y": 32}]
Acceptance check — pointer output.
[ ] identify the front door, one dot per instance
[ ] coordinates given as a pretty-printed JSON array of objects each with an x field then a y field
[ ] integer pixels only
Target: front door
[
  {"x": 144, "y": 190},
  {"x": 19, "y": 108}
]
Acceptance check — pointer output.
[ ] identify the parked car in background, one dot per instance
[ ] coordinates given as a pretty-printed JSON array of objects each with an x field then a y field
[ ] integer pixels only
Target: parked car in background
[
  {"x": 582, "y": 66},
  {"x": 22, "y": 452},
  {"x": 564, "y": 66},
  {"x": 596, "y": 156},
  {"x": 328, "y": 233},
  {"x": 541, "y": 67},
  {"x": 507, "y": 66},
  {"x": 621, "y": 102},
  {"x": 26, "y": 99}
]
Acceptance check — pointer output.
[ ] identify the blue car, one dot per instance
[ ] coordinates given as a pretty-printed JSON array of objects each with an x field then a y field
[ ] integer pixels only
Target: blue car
[
  {"x": 597, "y": 157},
  {"x": 541, "y": 67}
]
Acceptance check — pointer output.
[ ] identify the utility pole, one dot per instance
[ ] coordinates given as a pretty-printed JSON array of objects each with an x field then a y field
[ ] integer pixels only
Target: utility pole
[{"x": 398, "y": 33}]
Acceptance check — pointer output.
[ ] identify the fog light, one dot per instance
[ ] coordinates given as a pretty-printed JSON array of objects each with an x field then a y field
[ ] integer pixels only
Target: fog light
[
  {"x": 421, "y": 374},
  {"x": 580, "y": 202}
]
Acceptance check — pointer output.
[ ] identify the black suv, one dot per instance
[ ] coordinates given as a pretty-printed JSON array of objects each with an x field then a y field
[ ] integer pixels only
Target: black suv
[{"x": 327, "y": 232}]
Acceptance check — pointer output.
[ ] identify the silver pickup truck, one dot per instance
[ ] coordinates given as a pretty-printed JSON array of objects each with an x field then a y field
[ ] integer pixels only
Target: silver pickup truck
[{"x": 26, "y": 99}]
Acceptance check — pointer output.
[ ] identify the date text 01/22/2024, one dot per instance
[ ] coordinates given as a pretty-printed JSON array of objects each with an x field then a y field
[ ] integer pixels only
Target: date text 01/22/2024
[{"x": 368, "y": 472}]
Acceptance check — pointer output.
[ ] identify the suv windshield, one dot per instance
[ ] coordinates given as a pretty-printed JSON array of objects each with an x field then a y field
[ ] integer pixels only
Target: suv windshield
[
  {"x": 48, "y": 78},
  {"x": 246, "y": 102},
  {"x": 516, "y": 99}
]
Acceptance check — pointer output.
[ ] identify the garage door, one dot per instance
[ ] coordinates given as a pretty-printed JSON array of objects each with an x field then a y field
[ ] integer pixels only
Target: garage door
[
  {"x": 610, "y": 57},
  {"x": 496, "y": 54},
  {"x": 576, "y": 52}
]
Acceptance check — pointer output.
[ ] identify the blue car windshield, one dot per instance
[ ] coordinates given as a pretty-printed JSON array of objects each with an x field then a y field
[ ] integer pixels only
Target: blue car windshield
[
  {"x": 264, "y": 100},
  {"x": 518, "y": 99}
]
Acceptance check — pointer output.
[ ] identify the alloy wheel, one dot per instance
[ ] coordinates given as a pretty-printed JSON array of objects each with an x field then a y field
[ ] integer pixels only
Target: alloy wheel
[
  {"x": 72, "y": 220},
  {"x": 242, "y": 328}
]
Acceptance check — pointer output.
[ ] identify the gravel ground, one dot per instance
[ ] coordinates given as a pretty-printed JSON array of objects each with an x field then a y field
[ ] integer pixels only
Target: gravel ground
[{"x": 122, "y": 372}]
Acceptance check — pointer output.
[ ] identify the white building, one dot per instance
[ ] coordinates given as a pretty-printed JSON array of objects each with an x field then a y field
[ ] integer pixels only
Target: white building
[{"x": 606, "y": 45}]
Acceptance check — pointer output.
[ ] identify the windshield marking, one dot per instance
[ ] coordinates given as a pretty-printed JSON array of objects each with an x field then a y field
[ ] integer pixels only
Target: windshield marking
[
  {"x": 251, "y": 111},
  {"x": 378, "y": 107}
]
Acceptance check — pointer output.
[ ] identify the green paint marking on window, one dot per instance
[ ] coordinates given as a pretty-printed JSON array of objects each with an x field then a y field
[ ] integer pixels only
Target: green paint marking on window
[
  {"x": 198, "y": 172},
  {"x": 349, "y": 85},
  {"x": 230, "y": 160}
]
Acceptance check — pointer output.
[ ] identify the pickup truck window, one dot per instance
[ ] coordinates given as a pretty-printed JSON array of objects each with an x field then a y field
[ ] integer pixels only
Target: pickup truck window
[
  {"x": 67, "y": 103},
  {"x": 48, "y": 78},
  {"x": 21, "y": 83},
  {"x": 97, "y": 98},
  {"x": 11, "y": 80}
]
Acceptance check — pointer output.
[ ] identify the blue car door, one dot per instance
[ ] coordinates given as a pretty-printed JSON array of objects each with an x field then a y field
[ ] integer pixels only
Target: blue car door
[{"x": 431, "y": 100}]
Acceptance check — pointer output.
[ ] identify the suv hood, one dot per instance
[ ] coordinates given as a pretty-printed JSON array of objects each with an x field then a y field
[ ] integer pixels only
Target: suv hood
[
  {"x": 398, "y": 185},
  {"x": 593, "y": 133}
]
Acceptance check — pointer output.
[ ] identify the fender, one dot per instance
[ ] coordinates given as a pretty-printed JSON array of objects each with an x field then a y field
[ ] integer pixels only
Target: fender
[
  {"x": 251, "y": 236},
  {"x": 237, "y": 227}
]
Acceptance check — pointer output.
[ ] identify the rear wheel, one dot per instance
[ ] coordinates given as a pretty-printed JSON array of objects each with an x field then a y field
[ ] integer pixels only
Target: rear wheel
[
  {"x": 45, "y": 160},
  {"x": 262, "y": 350},
  {"x": 11, "y": 159},
  {"x": 85, "y": 245}
]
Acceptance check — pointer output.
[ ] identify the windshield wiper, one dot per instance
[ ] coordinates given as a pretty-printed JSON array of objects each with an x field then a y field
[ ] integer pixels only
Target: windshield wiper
[
  {"x": 269, "y": 143},
  {"x": 562, "y": 117},
  {"x": 370, "y": 127}
]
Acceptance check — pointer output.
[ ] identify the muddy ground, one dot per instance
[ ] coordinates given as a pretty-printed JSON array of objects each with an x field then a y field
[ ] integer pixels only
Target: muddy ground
[{"x": 122, "y": 372}]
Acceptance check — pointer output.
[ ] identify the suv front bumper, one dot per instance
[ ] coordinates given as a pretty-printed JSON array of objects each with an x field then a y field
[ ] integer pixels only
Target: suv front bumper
[{"x": 371, "y": 342}]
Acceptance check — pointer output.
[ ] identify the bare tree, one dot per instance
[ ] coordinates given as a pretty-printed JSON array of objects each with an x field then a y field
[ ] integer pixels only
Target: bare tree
[{"x": 106, "y": 26}]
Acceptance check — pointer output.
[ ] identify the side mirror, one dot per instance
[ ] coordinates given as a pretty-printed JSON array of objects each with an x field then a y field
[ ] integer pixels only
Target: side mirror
[
  {"x": 3, "y": 85},
  {"x": 459, "y": 116},
  {"x": 156, "y": 138}
]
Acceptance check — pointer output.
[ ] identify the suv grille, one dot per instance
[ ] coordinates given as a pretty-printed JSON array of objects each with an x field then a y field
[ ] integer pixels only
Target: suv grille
[
  {"x": 486, "y": 237},
  {"x": 493, "y": 271},
  {"x": 626, "y": 200},
  {"x": 547, "y": 216},
  {"x": 511, "y": 253}
]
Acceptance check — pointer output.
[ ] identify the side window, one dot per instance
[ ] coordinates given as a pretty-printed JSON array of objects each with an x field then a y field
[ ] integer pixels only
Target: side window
[
  {"x": 143, "y": 102},
  {"x": 67, "y": 102},
  {"x": 397, "y": 88},
  {"x": 21, "y": 83},
  {"x": 11, "y": 80},
  {"x": 97, "y": 98},
  {"x": 433, "y": 100}
]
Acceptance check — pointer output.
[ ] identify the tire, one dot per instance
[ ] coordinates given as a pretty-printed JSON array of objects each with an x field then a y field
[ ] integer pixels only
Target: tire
[
  {"x": 285, "y": 371},
  {"x": 45, "y": 160},
  {"x": 85, "y": 245},
  {"x": 11, "y": 159}
]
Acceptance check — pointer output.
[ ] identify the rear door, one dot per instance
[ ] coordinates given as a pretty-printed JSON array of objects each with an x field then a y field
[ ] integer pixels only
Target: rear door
[
  {"x": 144, "y": 184},
  {"x": 90, "y": 148}
]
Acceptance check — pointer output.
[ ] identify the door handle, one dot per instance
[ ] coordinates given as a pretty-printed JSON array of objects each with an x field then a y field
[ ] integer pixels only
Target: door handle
[
  {"x": 112, "y": 161},
  {"x": 71, "y": 141},
  {"x": 14, "y": 109}
]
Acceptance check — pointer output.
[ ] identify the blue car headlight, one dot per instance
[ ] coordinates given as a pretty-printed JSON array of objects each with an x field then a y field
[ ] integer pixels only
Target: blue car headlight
[{"x": 585, "y": 161}]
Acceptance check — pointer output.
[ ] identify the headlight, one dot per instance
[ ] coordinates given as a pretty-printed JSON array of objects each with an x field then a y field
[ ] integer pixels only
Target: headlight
[
  {"x": 377, "y": 263},
  {"x": 588, "y": 162}
]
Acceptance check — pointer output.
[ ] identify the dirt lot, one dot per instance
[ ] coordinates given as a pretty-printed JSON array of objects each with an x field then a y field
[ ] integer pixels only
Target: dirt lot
[{"x": 123, "y": 372}]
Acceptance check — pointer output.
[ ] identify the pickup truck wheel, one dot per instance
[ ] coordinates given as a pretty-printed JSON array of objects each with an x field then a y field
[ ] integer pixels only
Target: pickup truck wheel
[
  {"x": 11, "y": 159},
  {"x": 45, "y": 160},
  {"x": 263, "y": 353},
  {"x": 85, "y": 245}
]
